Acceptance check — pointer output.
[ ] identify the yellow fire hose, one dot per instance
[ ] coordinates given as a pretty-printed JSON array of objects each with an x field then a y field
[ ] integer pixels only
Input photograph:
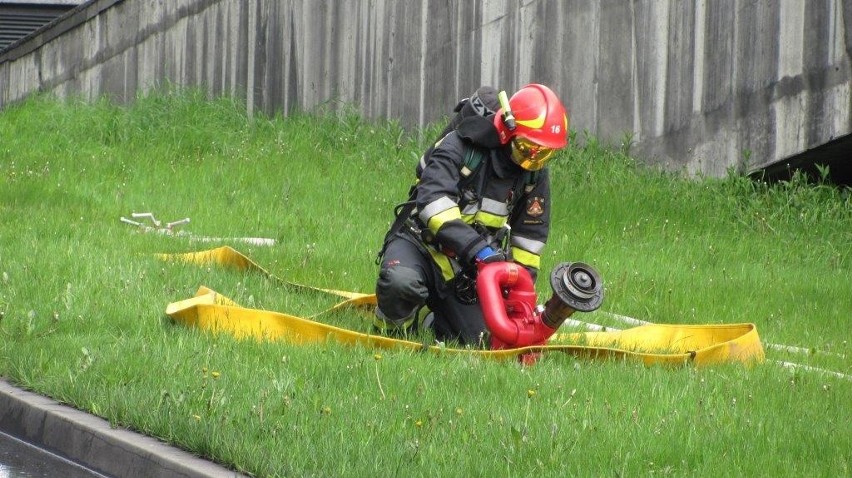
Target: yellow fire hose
[{"x": 650, "y": 344}]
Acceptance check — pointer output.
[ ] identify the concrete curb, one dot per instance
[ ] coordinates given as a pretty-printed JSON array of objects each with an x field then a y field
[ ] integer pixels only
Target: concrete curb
[{"x": 92, "y": 442}]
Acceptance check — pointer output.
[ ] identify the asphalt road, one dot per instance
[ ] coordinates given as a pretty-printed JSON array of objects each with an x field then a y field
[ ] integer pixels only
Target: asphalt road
[{"x": 19, "y": 459}]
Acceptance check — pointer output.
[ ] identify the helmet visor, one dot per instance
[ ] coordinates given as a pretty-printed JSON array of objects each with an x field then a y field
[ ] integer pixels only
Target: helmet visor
[{"x": 529, "y": 155}]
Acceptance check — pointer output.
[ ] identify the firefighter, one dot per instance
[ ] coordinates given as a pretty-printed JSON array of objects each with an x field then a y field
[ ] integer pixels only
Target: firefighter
[{"x": 482, "y": 193}]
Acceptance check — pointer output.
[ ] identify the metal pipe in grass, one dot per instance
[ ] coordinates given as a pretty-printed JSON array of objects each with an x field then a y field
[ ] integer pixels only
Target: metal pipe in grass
[{"x": 170, "y": 229}]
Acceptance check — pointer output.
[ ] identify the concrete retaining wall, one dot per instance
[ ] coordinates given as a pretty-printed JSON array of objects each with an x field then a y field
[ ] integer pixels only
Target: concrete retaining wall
[{"x": 697, "y": 85}]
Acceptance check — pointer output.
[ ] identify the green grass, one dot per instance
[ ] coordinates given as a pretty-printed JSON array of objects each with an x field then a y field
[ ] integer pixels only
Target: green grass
[{"x": 82, "y": 301}]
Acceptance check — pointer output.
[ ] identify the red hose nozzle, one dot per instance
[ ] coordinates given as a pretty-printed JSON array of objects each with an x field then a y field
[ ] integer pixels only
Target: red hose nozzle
[{"x": 508, "y": 300}]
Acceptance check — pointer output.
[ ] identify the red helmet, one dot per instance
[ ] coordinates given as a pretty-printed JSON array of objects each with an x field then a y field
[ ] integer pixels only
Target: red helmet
[{"x": 541, "y": 125}]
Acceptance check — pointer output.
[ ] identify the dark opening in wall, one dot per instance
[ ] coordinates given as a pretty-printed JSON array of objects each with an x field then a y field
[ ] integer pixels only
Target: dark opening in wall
[{"x": 836, "y": 155}]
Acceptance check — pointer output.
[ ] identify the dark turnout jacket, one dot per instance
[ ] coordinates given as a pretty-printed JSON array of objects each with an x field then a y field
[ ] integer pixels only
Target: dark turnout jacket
[{"x": 465, "y": 196}]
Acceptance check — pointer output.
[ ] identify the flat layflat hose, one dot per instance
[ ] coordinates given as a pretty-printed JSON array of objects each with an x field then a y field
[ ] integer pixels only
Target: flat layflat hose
[{"x": 649, "y": 344}]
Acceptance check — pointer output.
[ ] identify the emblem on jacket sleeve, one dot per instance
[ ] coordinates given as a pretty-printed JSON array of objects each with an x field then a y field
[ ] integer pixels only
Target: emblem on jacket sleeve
[{"x": 535, "y": 206}]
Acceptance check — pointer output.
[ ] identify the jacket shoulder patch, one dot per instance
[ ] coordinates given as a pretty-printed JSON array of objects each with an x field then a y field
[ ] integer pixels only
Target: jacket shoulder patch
[{"x": 535, "y": 206}]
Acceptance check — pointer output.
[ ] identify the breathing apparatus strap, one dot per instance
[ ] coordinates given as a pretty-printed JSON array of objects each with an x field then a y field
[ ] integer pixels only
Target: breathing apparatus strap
[{"x": 403, "y": 213}]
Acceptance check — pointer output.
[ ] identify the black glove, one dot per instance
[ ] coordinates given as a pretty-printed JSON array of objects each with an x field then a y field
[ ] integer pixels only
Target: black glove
[{"x": 464, "y": 285}]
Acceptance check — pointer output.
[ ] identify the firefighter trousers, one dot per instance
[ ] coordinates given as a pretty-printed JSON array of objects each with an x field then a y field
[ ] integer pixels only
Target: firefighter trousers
[{"x": 409, "y": 279}]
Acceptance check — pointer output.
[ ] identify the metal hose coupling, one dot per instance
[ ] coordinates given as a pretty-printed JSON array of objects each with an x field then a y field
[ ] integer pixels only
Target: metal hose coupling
[{"x": 576, "y": 287}]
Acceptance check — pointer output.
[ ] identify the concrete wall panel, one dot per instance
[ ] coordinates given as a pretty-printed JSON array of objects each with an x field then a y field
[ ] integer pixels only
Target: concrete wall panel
[
  {"x": 697, "y": 85},
  {"x": 790, "y": 135},
  {"x": 680, "y": 64},
  {"x": 615, "y": 70},
  {"x": 791, "y": 33},
  {"x": 580, "y": 63},
  {"x": 650, "y": 58}
]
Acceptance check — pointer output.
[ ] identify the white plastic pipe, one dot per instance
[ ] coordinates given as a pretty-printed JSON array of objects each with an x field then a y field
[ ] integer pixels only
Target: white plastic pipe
[{"x": 798, "y": 366}]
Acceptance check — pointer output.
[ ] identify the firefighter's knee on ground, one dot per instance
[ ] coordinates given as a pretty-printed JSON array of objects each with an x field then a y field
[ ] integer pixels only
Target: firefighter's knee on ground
[{"x": 400, "y": 291}]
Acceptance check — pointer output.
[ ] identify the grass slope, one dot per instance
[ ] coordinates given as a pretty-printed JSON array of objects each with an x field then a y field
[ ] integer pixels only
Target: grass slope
[{"x": 82, "y": 303}]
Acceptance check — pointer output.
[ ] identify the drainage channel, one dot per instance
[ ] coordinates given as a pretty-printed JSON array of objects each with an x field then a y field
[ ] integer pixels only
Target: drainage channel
[{"x": 19, "y": 459}]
